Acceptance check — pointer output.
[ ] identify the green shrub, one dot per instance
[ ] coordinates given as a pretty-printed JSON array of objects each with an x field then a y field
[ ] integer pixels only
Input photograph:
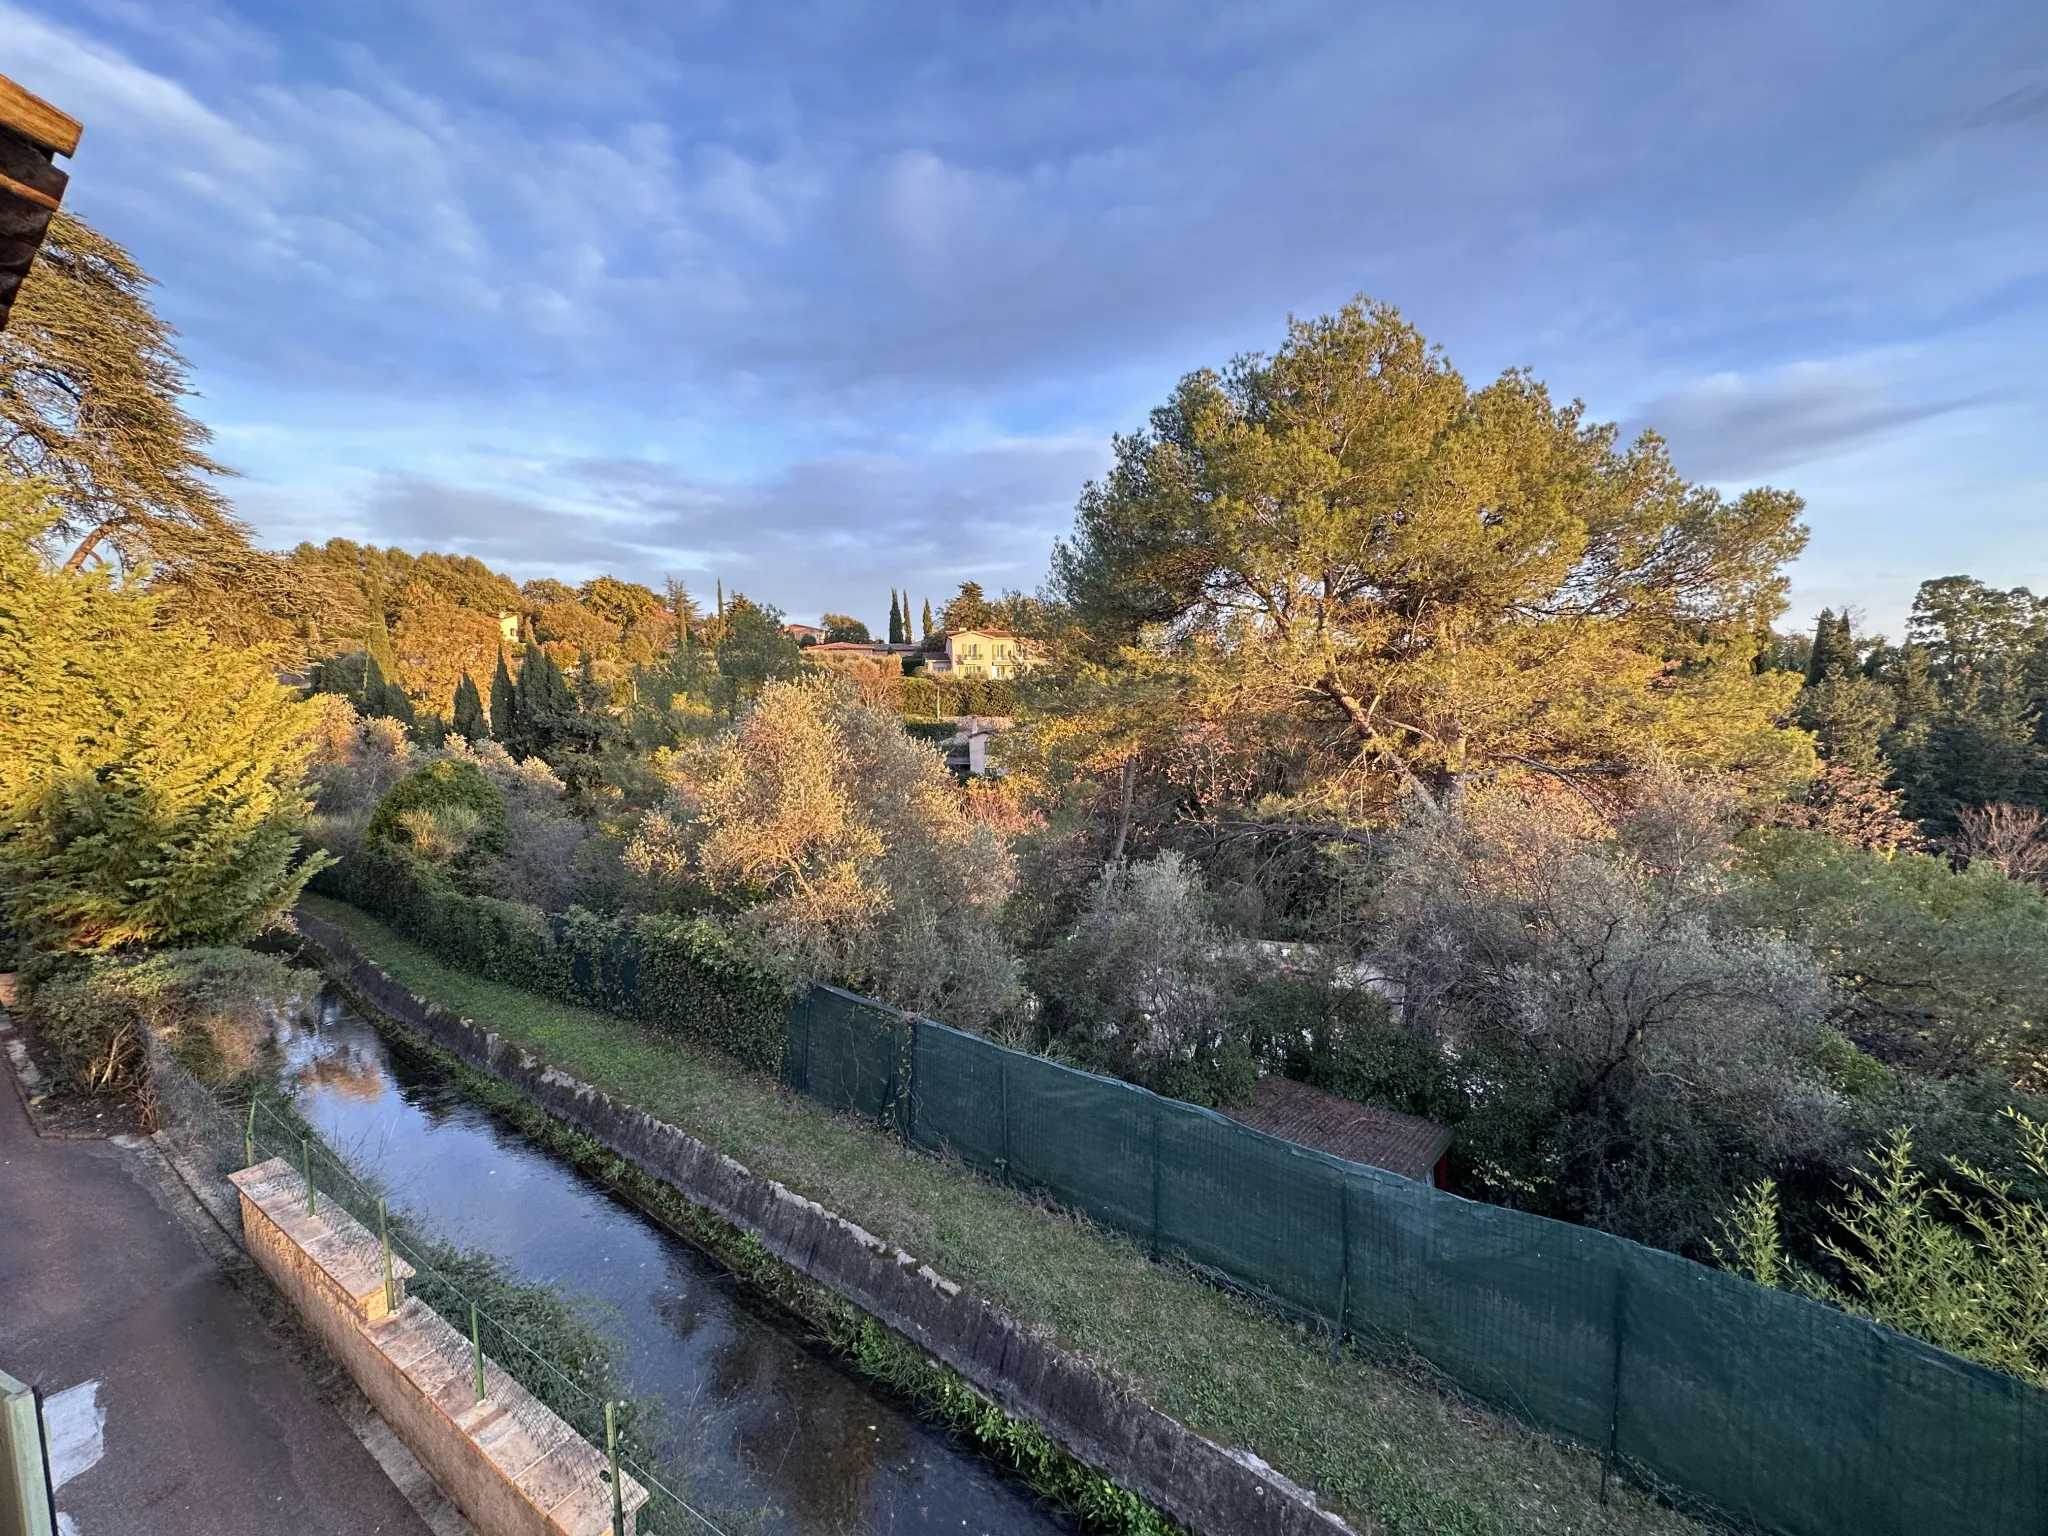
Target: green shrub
[
  {"x": 446, "y": 813},
  {"x": 1347, "y": 1041},
  {"x": 213, "y": 1007},
  {"x": 688, "y": 977}
]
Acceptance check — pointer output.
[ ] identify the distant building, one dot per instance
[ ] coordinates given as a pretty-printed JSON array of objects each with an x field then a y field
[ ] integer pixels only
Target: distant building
[
  {"x": 508, "y": 628},
  {"x": 804, "y": 634},
  {"x": 993, "y": 653}
]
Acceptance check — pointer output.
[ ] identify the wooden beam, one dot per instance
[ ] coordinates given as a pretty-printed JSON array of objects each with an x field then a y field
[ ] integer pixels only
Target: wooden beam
[{"x": 37, "y": 121}]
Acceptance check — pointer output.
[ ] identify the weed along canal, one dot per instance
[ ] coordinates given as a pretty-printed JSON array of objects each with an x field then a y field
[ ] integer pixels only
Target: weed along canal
[{"x": 770, "y": 1428}]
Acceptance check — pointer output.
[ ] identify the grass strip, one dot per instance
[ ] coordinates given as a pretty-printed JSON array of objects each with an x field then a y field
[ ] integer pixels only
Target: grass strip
[{"x": 1374, "y": 1440}]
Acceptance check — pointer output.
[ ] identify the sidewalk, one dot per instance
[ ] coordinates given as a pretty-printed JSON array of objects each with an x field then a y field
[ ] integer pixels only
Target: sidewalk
[{"x": 207, "y": 1424}]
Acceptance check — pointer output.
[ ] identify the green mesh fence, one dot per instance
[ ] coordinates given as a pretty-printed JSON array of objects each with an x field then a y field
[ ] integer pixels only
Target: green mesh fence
[
  {"x": 849, "y": 1053},
  {"x": 1780, "y": 1413}
]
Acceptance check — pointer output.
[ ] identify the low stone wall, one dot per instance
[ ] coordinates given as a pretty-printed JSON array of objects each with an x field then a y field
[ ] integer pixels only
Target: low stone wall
[
  {"x": 509, "y": 1463},
  {"x": 1210, "y": 1489}
]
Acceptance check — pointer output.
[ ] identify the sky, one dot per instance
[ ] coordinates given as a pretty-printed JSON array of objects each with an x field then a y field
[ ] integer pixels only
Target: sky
[{"x": 822, "y": 299}]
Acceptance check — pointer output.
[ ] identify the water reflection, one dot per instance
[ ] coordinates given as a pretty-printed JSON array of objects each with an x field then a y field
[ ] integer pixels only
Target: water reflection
[{"x": 766, "y": 1419}]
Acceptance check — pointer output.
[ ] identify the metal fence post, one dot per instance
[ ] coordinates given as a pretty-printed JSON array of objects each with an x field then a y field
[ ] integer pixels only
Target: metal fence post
[
  {"x": 384, "y": 1235},
  {"x": 611, "y": 1450},
  {"x": 1607, "y": 1452},
  {"x": 476, "y": 1351},
  {"x": 1003, "y": 1083},
  {"x": 1344, "y": 1265},
  {"x": 1156, "y": 1113},
  {"x": 306, "y": 1155},
  {"x": 249, "y": 1135}
]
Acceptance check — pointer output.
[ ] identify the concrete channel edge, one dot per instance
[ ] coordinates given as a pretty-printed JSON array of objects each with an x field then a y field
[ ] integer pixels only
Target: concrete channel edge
[{"x": 1211, "y": 1489}]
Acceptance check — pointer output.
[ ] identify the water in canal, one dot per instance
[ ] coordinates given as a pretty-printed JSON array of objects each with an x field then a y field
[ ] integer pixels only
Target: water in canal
[{"x": 771, "y": 1421}]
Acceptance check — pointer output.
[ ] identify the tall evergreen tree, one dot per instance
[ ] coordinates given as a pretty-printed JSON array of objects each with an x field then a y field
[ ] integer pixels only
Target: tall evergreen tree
[
  {"x": 1834, "y": 648},
  {"x": 151, "y": 788},
  {"x": 927, "y": 620},
  {"x": 503, "y": 696},
  {"x": 378, "y": 642},
  {"x": 895, "y": 620},
  {"x": 470, "y": 723},
  {"x": 382, "y": 697},
  {"x": 544, "y": 713}
]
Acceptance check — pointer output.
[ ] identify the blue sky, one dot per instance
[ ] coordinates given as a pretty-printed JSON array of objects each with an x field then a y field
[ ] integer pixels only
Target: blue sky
[{"x": 820, "y": 299}]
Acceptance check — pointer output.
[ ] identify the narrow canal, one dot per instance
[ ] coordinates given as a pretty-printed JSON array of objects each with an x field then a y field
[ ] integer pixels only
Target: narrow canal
[{"x": 769, "y": 1420}]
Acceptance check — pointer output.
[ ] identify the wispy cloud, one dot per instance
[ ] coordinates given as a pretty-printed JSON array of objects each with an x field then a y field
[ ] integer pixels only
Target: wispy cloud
[{"x": 1735, "y": 427}]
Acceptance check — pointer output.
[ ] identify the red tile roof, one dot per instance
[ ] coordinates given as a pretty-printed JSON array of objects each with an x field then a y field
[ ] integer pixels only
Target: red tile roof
[{"x": 1361, "y": 1133}]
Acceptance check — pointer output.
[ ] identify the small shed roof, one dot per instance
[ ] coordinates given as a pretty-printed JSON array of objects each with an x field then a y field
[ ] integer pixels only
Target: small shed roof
[{"x": 1361, "y": 1133}]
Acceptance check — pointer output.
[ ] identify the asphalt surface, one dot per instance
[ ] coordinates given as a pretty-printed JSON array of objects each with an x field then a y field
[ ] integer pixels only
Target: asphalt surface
[{"x": 211, "y": 1427}]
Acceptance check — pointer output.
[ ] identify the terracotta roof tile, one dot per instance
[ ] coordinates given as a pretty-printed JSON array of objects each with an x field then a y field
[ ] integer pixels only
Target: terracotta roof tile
[{"x": 1361, "y": 1133}]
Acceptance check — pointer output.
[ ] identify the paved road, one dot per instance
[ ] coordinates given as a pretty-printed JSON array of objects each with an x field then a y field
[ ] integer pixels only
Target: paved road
[{"x": 211, "y": 1427}]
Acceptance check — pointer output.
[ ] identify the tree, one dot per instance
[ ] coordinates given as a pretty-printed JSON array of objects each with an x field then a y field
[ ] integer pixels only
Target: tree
[
  {"x": 624, "y": 603},
  {"x": 1935, "y": 970},
  {"x": 2012, "y": 839},
  {"x": 753, "y": 651},
  {"x": 503, "y": 695},
  {"x": 926, "y": 634},
  {"x": 544, "y": 712},
  {"x": 895, "y": 620},
  {"x": 470, "y": 722},
  {"x": 91, "y": 397},
  {"x": 968, "y": 610},
  {"x": 1397, "y": 582},
  {"x": 151, "y": 791},
  {"x": 846, "y": 846},
  {"x": 1636, "y": 1055},
  {"x": 1834, "y": 648},
  {"x": 845, "y": 629},
  {"x": 437, "y": 644}
]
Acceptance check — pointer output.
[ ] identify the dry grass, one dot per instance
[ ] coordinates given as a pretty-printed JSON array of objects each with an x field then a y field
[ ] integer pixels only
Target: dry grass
[{"x": 1375, "y": 1442}]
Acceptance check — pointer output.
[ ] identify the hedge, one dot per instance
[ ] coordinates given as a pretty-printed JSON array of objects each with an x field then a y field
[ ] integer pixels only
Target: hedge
[{"x": 687, "y": 977}]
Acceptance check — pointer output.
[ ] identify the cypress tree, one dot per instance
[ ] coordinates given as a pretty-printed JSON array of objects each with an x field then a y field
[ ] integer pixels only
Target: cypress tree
[
  {"x": 502, "y": 697},
  {"x": 470, "y": 723},
  {"x": 895, "y": 620},
  {"x": 381, "y": 697},
  {"x": 543, "y": 707},
  {"x": 927, "y": 619},
  {"x": 1834, "y": 647},
  {"x": 378, "y": 642}
]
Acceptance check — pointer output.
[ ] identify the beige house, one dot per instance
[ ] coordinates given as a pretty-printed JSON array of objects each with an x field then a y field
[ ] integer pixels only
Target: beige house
[
  {"x": 993, "y": 653},
  {"x": 508, "y": 628}
]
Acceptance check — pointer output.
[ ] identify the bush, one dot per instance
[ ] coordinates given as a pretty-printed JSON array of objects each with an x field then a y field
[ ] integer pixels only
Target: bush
[
  {"x": 691, "y": 978},
  {"x": 1345, "y": 1040},
  {"x": 446, "y": 813},
  {"x": 213, "y": 1008},
  {"x": 1936, "y": 970}
]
